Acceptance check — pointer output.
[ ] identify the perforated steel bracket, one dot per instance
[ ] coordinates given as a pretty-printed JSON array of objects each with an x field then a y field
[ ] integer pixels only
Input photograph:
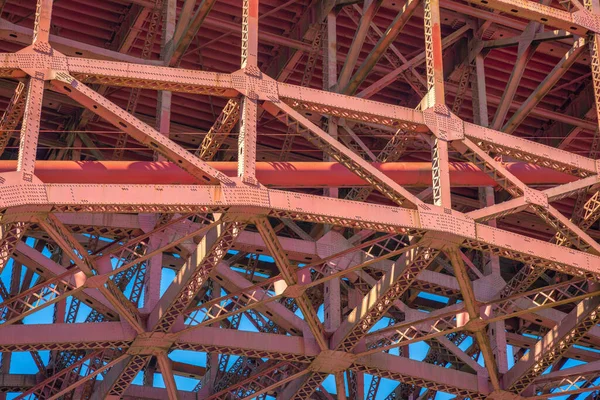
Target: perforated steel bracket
[
  {"x": 294, "y": 291},
  {"x": 536, "y": 197},
  {"x": 443, "y": 124},
  {"x": 330, "y": 361},
  {"x": 241, "y": 195},
  {"x": 587, "y": 19},
  {"x": 151, "y": 343},
  {"x": 445, "y": 220},
  {"x": 40, "y": 60},
  {"x": 16, "y": 190},
  {"x": 253, "y": 83}
]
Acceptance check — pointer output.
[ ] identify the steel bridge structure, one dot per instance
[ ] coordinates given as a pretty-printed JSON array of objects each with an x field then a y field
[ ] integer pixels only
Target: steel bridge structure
[{"x": 367, "y": 176}]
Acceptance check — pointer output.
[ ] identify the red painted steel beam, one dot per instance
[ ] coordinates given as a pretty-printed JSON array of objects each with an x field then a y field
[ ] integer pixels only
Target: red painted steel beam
[{"x": 278, "y": 174}]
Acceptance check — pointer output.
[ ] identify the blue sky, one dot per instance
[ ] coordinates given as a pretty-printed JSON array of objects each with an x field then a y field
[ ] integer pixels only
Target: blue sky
[{"x": 23, "y": 363}]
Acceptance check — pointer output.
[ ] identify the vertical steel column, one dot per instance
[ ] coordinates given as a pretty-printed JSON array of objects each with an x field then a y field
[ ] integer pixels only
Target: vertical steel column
[
  {"x": 331, "y": 298},
  {"x": 491, "y": 263},
  {"x": 5, "y": 359},
  {"x": 330, "y": 79},
  {"x": 153, "y": 275},
  {"x": 433, "y": 53},
  {"x": 247, "y": 140},
  {"x": 59, "y": 316},
  {"x": 163, "y": 106},
  {"x": 76, "y": 151},
  {"x": 330, "y": 52},
  {"x": 149, "y": 371},
  {"x": 594, "y": 47},
  {"x": 31, "y": 127},
  {"x": 153, "y": 268},
  {"x": 479, "y": 97},
  {"x": 35, "y": 92},
  {"x": 496, "y": 330},
  {"x": 216, "y": 365},
  {"x": 249, "y": 109},
  {"x": 340, "y": 386},
  {"x": 435, "y": 97},
  {"x": 480, "y": 116},
  {"x": 167, "y": 372},
  {"x": 41, "y": 24},
  {"x": 441, "y": 173}
]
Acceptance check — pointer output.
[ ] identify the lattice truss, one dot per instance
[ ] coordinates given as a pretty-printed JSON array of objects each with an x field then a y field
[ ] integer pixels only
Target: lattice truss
[{"x": 274, "y": 281}]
